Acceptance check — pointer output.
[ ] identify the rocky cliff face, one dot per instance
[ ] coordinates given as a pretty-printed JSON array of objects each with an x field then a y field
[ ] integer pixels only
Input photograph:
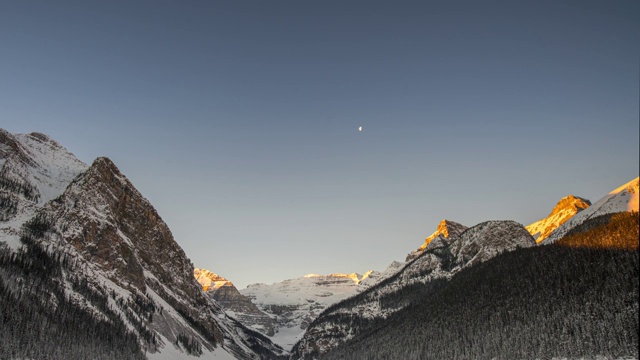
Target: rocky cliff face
[
  {"x": 441, "y": 258},
  {"x": 447, "y": 229},
  {"x": 486, "y": 240},
  {"x": 235, "y": 304},
  {"x": 109, "y": 249},
  {"x": 566, "y": 208},
  {"x": 115, "y": 230}
]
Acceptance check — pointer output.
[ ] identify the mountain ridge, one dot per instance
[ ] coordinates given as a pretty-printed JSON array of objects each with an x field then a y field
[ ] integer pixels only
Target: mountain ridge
[
  {"x": 441, "y": 259},
  {"x": 234, "y": 303},
  {"x": 622, "y": 198}
]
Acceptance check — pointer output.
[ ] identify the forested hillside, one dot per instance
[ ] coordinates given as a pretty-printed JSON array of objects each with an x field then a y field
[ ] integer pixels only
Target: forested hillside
[
  {"x": 610, "y": 231},
  {"x": 38, "y": 320},
  {"x": 541, "y": 302}
]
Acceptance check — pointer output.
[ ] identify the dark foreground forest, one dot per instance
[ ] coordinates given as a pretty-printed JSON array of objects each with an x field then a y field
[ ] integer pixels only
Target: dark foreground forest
[{"x": 575, "y": 299}]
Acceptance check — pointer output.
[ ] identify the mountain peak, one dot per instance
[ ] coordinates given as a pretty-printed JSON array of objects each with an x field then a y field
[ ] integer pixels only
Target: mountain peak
[
  {"x": 104, "y": 163},
  {"x": 8, "y": 144},
  {"x": 570, "y": 202},
  {"x": 566, "y": 208},
  {"x": 446, "y": 228},
  {"x": 45, "y": 139},
  {"x": 210, "y": 280},
  {"x": 235, "y": 304},
  {"x": 631, "y": 187},
  {"x": 34, "y": 167}
]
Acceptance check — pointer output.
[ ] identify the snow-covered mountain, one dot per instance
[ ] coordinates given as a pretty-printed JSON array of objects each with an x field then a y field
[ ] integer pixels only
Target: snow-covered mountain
[
  {"x": 566, "y": 208},
  {"x": 446, "y": 228},
  {"x": 441, "y": 258},
  {"x": 623, "y": 198},
  {"x": 33, "y": 170},
  {"x": 295, "y": 303},
  {"x": 98, "y": 247},
  {"x": 283, "y": 310}
]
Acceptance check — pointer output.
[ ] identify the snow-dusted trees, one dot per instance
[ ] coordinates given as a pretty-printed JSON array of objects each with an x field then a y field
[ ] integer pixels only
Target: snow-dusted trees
[{"x": 39, "y": 321}]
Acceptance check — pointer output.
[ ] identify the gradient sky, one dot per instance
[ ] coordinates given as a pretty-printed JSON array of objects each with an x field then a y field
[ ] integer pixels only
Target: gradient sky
[{"x": 238, "y": 119}]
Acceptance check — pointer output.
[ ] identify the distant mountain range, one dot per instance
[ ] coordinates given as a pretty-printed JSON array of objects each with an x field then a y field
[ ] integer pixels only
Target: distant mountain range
[
  {"x": 88, "y": 269},
  {"x": 285, "y": 309}
]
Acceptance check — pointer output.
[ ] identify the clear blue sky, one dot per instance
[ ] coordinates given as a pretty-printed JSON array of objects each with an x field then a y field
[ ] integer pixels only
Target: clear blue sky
[{"x": 238, "y": 119}]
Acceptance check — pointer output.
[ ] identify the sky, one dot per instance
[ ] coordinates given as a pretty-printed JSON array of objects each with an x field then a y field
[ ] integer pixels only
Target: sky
[{"x": 239, "y": 120}]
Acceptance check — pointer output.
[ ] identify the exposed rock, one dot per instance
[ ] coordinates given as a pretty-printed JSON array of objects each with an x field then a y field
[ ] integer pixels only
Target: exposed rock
[
  {"x": 488, "y": 239},
  {"x": 234, "y": 303},
  {"x": 446, "y": 229},
  {"x": 563, "y": 211}
]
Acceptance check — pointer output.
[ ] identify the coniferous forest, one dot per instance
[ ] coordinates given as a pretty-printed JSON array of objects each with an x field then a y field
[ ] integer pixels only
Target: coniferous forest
[
  {"x": 575, "y": 299},
  {"x": 39, "y": 320}
]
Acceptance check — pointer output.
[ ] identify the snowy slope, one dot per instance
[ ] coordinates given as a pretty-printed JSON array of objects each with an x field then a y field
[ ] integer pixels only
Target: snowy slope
[
  {"x": 294, "y": 303},
  {"x": 372, "y": 277},
  {"x": 38, "y": 161},
  {"x": 33, "y": 170},
  {"x": 53, "y": 166},
  {"x": 623, "y": 198}
]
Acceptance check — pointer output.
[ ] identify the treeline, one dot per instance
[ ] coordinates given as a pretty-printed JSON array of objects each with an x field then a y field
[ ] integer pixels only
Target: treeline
[{"x": 541, "y": 302}]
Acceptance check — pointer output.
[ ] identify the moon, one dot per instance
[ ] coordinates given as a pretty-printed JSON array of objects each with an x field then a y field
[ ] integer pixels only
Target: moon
[{"x": 360, "y": 128}]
